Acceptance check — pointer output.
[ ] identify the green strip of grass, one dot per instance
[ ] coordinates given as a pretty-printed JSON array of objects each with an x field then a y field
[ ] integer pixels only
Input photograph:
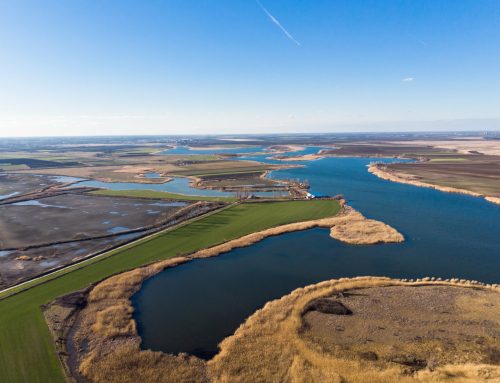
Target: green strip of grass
[
  {"x": 158, "y": 194},
  {"x": 27, "y": 353}
]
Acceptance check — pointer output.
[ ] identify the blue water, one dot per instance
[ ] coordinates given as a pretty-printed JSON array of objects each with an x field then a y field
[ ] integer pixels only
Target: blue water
[
  {"x": 192, "y": 307},
  {"x": 152, "y": 175}
]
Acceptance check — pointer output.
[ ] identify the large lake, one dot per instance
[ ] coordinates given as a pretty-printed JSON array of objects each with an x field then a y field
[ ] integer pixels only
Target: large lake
[{"x": 192, "y": 307}]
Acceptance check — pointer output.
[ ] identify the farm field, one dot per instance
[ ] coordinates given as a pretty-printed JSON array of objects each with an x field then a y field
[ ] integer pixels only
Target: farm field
[{"x": 30, "y": 355}]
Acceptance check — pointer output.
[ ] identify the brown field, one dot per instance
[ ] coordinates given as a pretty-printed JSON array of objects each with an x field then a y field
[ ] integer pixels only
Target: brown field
[
  {"x": 477, "y": 173},
  {"x": 466, "y": 146},
  {"x": 472, "y": 184}
]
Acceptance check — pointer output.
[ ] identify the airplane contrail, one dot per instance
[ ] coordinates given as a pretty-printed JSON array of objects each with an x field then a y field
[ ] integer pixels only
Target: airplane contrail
[{"x": 278, "y": 24}]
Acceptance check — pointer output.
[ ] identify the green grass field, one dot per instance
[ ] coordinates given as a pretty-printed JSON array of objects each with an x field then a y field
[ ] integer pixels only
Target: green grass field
[
  {"x": 158, "y": 194},
  {"x": 27, "y": 353}
]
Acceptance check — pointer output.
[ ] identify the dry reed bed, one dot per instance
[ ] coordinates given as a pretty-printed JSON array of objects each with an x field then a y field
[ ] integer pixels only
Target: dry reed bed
[
  {"x": 409, "y": 179},
  {"x": 106, "y": 333},
  {"x": 269, "y": 346}
]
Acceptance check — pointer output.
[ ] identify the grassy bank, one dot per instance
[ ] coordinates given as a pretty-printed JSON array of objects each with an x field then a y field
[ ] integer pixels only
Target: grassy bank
[
  {"x": 159, "y": 194},
  {"x": 26, "y": 350}
]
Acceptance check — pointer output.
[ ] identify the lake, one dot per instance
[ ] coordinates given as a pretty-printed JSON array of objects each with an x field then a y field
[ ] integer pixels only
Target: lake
[{"x": 194, "y": 306}]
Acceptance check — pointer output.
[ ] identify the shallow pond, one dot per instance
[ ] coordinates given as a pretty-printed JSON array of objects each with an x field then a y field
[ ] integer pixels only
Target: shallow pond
[{"x": 192, "y": 307}]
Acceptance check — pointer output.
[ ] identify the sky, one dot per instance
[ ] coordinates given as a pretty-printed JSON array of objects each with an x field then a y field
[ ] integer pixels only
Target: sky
[{"x": 95, "y": 67}]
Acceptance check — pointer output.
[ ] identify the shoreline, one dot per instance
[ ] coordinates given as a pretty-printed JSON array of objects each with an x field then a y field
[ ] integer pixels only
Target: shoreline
[
  {"x": 305, "y": 157},
  {"x": 106, "y": 322},
  {"x": 410, "y": 180}
]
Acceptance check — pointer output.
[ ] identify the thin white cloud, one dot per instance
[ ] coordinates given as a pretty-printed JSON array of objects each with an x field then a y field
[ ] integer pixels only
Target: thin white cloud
[
  {"x": 408, "y": 79},
  {"x": 277, "y": 23}
]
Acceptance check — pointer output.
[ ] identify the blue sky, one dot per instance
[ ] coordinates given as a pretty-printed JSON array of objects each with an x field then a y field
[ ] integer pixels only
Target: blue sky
[{"x": 226, "y": 66}]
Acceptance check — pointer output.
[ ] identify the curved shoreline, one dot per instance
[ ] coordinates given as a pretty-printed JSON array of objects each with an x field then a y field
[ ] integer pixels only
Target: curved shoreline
[
  {"x": 106, "y": 324},
  {"x": 113, "y": 354},
  {"x": 410, "y": 180},
  {"x": 279, "y": 329}
]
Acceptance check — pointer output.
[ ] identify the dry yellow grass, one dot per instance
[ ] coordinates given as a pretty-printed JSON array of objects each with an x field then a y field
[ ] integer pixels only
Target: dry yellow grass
[
  {"x": 350, "y": 226},
  {"x": 355, "y": 229},
  {"x": 269, "y": 346},
  {"x": 107, "y": 328}
]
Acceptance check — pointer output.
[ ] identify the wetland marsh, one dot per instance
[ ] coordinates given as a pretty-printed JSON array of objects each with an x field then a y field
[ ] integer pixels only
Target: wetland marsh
[{"x": 447, "y": 235}]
